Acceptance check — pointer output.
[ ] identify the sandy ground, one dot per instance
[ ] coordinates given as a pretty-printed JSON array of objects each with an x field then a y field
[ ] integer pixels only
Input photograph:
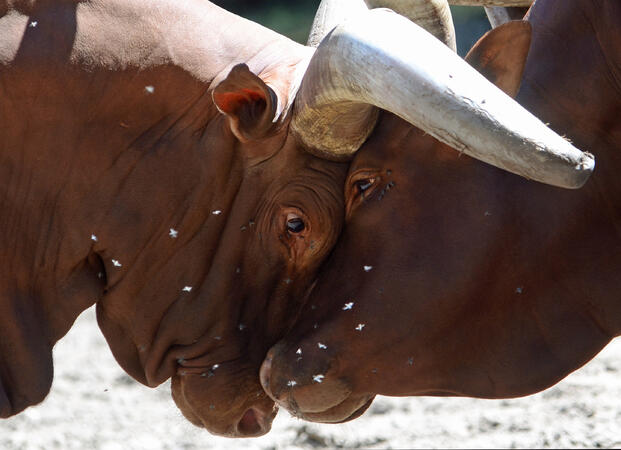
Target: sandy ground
[{"x": 93, "y": 404}]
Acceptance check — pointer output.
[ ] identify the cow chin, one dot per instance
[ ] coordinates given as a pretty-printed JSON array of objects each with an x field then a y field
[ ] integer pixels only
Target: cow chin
[
  {"x": 206, "y": 406},
  {"x": 349, "y": 409}
]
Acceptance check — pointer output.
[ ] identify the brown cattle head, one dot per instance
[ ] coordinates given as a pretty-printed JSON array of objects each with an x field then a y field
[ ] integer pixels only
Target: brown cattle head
[
  {"x": 405, "y": 305},
  {"x": 232, "y": 287},
  {"x": 284, "y": 219}
]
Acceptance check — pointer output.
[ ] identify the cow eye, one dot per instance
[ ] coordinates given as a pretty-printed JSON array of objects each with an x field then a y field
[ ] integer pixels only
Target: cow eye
[
  {"x": 295, "y": 224},
  {"x": 364, "y": 184},
  {"x": 360, "y": 188}
]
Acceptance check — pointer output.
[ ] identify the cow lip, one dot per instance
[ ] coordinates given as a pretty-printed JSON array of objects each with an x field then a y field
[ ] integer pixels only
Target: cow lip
[
  {"x": 360, "y": 411},
  {"x": 321, "y": 416},
  {"x": 178, "y": 396},
  {"x": 198, "y": 366}
]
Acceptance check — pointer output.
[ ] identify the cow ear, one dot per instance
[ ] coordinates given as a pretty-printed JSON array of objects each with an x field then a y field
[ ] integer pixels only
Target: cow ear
[
  {"x": 500, "y": 55},
  {"x": 250, "y": 105}
]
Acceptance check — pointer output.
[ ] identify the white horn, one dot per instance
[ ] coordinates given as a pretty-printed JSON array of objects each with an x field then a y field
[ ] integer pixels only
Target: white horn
[
  {"x": 384, "y": 60},
  {"x": 331, "y": 13},
  {"x": 433, "y": 15}
]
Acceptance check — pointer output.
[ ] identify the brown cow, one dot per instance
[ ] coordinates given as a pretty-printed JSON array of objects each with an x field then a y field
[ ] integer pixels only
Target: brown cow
[
  {"x": 122, "y": 184},
  {"x": 147, "y": 165},
  {"x": 454, "y": 278}
]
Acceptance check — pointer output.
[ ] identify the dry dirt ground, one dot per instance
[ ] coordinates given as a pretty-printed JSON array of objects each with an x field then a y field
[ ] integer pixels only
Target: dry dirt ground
[{"x": 94, "y": 405}]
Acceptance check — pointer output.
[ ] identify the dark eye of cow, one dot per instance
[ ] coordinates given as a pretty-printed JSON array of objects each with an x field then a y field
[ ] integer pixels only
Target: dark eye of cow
[
  {"x": 295, "y": 224},
  {"x": 364, "y": 184},
  {"x": 360, "y": 188}
]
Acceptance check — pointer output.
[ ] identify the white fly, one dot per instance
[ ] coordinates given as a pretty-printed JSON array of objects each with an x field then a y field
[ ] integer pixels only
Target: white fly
[{"x": 318, "y": 378}]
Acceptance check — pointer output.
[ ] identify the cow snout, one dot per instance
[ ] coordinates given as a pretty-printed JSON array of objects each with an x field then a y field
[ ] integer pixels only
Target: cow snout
[
  {"x": 308, "y": 386},
  {"x": 301, "y": 394},
  {"x": 217, "y": 406}
]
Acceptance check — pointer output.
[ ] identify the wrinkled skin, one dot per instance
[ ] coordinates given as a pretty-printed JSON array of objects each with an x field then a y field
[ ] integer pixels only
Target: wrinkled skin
[
  {"x": 478, "y": 283},
  {"x": 122, "y": 184}
]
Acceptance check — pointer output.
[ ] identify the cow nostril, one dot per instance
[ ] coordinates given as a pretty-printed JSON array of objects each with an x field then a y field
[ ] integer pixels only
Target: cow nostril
[{"x": 250, "y": 424}]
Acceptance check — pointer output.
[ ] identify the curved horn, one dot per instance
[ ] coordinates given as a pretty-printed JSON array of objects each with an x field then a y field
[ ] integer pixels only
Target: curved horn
[
  {"x": 383, "y": 60},
  {"x": 433, "y": 15},
  {"x": 331, "y": 13},
  {"x": 498, "y": 15}
]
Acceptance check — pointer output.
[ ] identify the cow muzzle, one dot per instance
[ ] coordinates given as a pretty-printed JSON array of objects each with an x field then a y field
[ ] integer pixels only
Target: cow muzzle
[
  {"x": 312, "y": 390},
  {"x": 218, "y": 414}
]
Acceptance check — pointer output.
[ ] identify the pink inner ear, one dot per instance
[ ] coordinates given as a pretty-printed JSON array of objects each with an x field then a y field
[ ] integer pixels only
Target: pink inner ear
[{"x": 229, "y": 102}]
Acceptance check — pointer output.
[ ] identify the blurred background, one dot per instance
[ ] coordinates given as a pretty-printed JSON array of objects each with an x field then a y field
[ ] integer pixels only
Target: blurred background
[{"x": 294, "y": 18}]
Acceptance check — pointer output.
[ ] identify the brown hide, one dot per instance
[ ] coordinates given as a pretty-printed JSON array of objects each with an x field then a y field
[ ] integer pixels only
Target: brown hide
[
  {"x": 454, "y": 278},
  {"x": 121, "y": 184}
]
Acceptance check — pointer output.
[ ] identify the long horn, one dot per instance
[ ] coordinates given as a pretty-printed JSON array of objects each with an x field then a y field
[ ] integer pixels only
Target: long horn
[
  {"x": 498, "y": 15},
  {"x": 383, "y": 60},
  {"x": 433, "y": 15},
  {"x": 331, "y": 13}
]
